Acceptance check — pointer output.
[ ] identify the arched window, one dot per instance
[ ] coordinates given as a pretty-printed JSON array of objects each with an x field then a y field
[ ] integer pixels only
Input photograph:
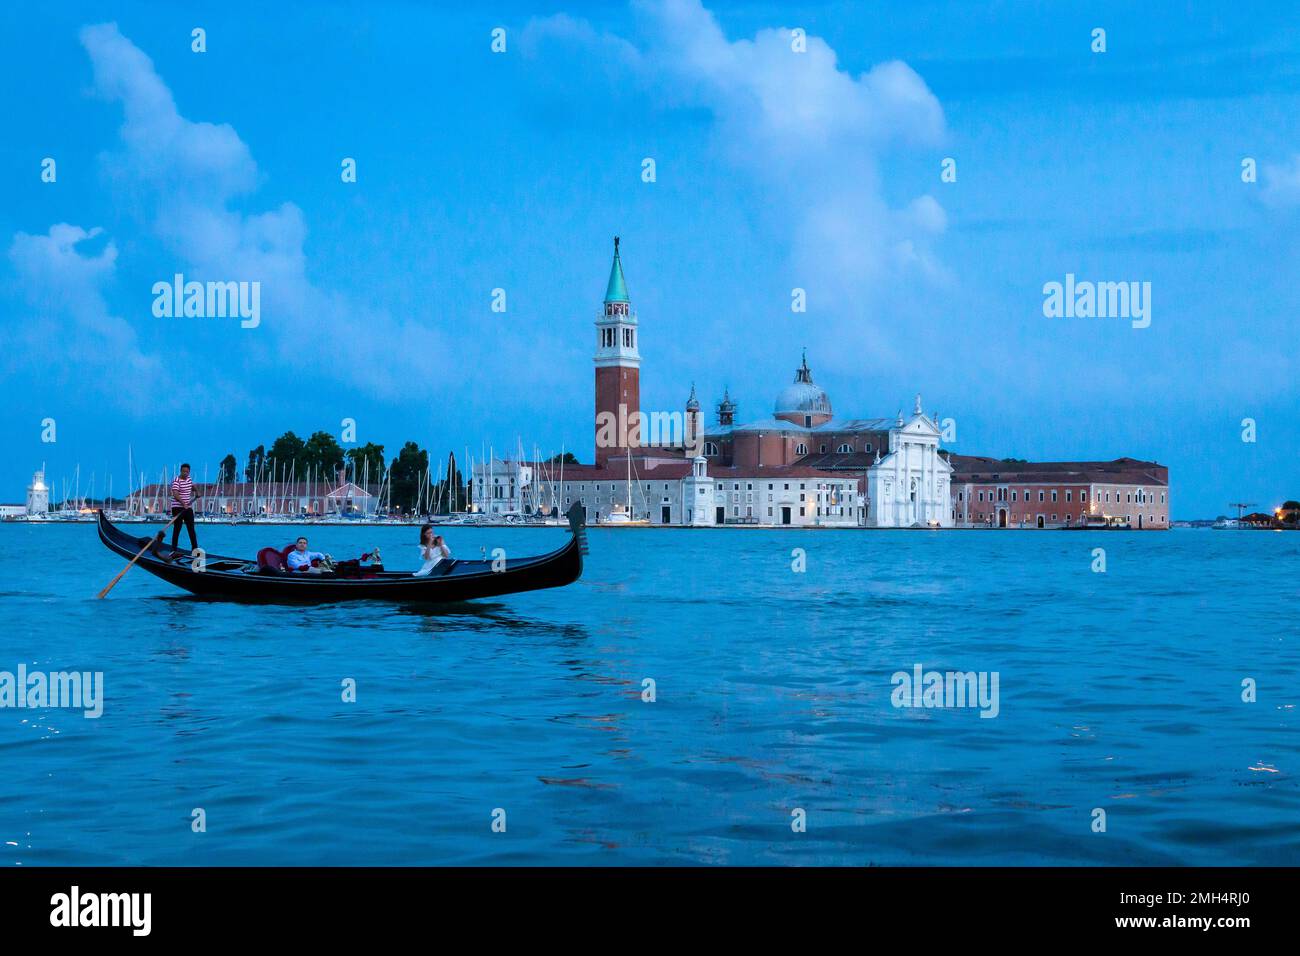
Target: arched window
[
  {"x": 710, "y": 449},
  {"x": 801, "y": 449},
  {"x": 845, "y": 449}
]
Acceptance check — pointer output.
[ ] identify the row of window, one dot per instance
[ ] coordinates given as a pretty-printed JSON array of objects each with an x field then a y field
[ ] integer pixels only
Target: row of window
[
  {"x": 608, "y": 338},
  {"x": 1016, "y": 518},
  {"x": 711, "y": 449},
  {"x": 615, "y": 486},
  {"x": 1141, "y": 496},
  {"x": 735, "y": 486},
  {"x": 829, "y": 511}
]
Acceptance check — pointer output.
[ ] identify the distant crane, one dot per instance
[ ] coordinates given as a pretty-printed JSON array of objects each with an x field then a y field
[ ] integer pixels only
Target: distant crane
[{"x": 1241, "y": 506}]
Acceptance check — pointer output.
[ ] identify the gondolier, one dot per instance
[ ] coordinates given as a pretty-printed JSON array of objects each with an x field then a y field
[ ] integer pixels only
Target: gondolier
[{"x": 183, "y": 507}]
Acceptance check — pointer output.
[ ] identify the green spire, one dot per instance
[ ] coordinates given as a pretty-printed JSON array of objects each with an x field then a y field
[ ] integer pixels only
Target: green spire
[{"x": 616, "y": 291}]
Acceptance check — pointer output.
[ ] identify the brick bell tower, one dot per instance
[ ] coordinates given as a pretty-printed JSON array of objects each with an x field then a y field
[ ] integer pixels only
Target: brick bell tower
[{"x": 618, "y": 370}]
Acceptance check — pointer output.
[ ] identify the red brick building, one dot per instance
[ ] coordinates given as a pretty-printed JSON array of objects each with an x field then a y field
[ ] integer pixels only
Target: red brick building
[{"x": 996, "y": 493}]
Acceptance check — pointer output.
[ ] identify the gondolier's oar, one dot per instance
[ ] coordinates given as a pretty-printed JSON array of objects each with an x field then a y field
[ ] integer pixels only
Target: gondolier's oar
[{"x": 156, "y": 539}]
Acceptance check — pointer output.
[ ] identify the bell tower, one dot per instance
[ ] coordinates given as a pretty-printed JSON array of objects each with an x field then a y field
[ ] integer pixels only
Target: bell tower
[
  {"x": 618, "y": 370},
  {"x": 726, "y": 409},
  {"x": 693, "y": 437}
]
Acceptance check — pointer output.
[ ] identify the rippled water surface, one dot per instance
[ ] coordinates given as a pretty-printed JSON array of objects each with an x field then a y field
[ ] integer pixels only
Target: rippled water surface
[{"x": 1120, "y": 691}]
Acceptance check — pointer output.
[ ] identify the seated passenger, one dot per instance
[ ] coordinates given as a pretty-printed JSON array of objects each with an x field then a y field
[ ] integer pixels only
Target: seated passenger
[
  {"x": 300, "y": 559},
  {"x": 432, "y": 549}
]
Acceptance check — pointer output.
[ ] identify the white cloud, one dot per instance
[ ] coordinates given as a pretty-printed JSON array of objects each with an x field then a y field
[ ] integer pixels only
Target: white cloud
[
  {"x": 809, "y": 134},
  {"x": 801, "y": 106},
  {"x": 162, "y": 145},
  {"x": 812, "y": 137},
  {"x": 188, "y": 174},
  {"x": 1281, "y": 183},
  {"x": 560, "y": 28},
  {"x": 66, "y": 313}
]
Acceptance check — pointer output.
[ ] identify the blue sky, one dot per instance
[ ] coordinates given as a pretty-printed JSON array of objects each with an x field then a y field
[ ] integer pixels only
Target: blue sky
[{"x": 775, "y": 170}]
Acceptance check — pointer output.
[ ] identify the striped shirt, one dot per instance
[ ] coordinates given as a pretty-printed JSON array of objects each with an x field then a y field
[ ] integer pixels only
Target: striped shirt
[{"x": 182, "y": 492}]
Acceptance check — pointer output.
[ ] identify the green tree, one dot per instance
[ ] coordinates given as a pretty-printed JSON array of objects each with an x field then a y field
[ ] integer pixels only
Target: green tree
[
  {"x": 286, "y": 452},
  {"x": 322, "y": 455},
  {"x": 226, "y": 471},
  {"x": 409, "y": 468},
  {"x": 449, "y": 494},
  {"x": 367, "y": 458},
  {"x": 256, "y": 459},
  {"x": 567, "y": 458}
]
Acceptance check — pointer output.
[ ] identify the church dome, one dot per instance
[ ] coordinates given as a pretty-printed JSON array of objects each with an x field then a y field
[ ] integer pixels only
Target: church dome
[{"x": 803, "y": 397}]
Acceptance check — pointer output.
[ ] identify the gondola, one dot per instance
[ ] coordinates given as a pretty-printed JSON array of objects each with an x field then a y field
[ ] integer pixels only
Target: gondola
[{"x": 237, "y": 579}]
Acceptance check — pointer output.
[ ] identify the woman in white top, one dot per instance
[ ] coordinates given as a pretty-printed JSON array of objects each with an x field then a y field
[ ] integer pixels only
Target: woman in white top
[{"x": 432, "y": 549}]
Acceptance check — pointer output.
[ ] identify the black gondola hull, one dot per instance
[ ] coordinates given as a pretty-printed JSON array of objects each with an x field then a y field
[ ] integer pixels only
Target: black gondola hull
[{"x": 235, "y": 579}]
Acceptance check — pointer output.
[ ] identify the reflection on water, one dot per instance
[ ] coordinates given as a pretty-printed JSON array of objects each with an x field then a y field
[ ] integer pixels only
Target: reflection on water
[{"x": 771, "y": 692}]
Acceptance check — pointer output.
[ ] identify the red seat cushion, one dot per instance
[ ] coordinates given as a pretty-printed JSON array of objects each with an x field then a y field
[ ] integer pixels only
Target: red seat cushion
[{"x": 271, "y": 559}]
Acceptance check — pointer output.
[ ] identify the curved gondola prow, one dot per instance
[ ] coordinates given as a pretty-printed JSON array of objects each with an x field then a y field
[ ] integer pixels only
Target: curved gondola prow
[{"x": 577, "y": 516}]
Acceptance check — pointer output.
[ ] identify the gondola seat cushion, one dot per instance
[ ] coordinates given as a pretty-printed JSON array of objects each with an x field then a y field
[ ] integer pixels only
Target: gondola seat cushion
[{"x": 270, "y": 559}]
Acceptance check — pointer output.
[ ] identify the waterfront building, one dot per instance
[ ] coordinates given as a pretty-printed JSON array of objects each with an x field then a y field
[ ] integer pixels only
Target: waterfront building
[
  {"x": 314, "y": 498},
  {"x": 679, "y": 492},
  {"x": 995, "y": 493},
  {"x": 801, "y": 466}
]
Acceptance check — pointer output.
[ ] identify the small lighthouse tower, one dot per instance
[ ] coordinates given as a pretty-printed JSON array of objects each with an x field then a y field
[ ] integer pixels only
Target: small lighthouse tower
[
  {"x": 38, "y": 495},
  {"x": 697, "y": 495},
  {"x": 618, "y": 370}
]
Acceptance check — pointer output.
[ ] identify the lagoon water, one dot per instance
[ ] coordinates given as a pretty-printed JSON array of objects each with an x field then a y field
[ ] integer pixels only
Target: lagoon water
[{"x": 1119, "y": 690}]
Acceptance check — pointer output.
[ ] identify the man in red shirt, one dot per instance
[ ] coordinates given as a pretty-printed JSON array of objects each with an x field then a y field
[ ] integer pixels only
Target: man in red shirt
[{"x": 183, "y": 507}]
